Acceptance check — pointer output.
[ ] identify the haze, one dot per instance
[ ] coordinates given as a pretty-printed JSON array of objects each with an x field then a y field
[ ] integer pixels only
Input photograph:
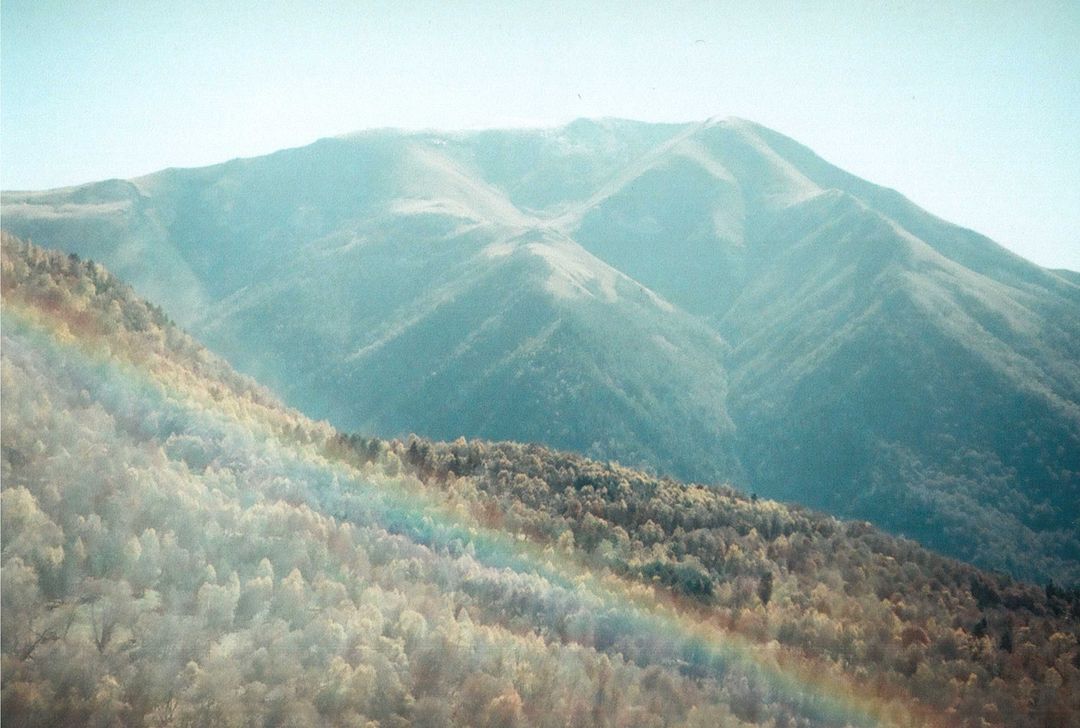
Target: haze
[{"x": 970, "y": 110}]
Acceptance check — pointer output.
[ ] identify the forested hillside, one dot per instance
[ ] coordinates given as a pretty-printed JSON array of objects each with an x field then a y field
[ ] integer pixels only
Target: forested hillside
[{"x": 180, "y": 549}]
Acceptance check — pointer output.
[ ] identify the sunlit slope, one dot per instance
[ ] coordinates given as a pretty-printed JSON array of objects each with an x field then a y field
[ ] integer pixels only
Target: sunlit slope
[
  {"x": 402, "y": 292},
  {"x": 524, "y": 336},
  {"x": 179, "y": 549},
  {"x": 711, "y": 300}
]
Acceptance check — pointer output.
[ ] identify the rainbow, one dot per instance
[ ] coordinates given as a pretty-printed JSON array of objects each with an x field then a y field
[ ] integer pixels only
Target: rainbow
[{"x": 685, "y": 635}]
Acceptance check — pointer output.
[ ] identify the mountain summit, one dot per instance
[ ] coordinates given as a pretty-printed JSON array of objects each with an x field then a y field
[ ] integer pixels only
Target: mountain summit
[{"x": 711, "y": 300}]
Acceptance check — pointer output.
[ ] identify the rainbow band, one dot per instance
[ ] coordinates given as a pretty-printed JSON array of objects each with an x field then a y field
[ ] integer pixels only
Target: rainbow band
[{"x": 685, "y": 637}]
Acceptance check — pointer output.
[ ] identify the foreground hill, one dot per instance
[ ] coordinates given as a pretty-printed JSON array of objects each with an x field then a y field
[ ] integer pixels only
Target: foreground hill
[
  {"x": 712, "y": 301},
  {"x": 179, "y": 549}
]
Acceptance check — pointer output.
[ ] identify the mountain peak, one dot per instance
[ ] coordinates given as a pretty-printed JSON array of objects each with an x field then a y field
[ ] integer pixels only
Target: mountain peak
[{"x": 712, "y": 300}]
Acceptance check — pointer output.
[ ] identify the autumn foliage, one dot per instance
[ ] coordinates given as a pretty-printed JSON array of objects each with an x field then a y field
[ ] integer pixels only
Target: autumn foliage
[{"x": 180, "y": 549}]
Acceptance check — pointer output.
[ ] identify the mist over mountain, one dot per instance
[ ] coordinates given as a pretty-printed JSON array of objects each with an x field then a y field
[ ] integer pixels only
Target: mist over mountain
[{"x": 710, "y": 300}]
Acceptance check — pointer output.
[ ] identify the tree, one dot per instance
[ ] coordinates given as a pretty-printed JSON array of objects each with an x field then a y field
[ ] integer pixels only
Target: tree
[{"x": 765, "y": 587}]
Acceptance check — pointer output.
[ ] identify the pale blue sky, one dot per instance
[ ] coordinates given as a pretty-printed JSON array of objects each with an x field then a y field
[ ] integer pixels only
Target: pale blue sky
[{"x": 972, "y": 109}]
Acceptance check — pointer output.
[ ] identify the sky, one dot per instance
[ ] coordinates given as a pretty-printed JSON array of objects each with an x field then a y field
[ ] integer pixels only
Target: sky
[{"x": 971, "y": 109}]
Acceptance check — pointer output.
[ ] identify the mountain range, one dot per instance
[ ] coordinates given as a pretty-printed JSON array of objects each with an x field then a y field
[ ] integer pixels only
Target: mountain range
[{"x": 712, "y": 301}]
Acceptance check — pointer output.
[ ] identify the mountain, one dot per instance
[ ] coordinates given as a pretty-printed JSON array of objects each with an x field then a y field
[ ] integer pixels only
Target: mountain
[
  {"x": 178, "y": 548},
  {"x": 712, "y": 301},
  {"x": 494, "y": 324}
]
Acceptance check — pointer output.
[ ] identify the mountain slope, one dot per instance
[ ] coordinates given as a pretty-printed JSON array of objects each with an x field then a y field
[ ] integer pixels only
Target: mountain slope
[
  {"x": 710, "y": 300},
  {"x": 180, "y": 549},
  {"x": 880, "y": 379},
  {"x": 527, "y": 337},
  {"x": 492, "y": 323}
]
